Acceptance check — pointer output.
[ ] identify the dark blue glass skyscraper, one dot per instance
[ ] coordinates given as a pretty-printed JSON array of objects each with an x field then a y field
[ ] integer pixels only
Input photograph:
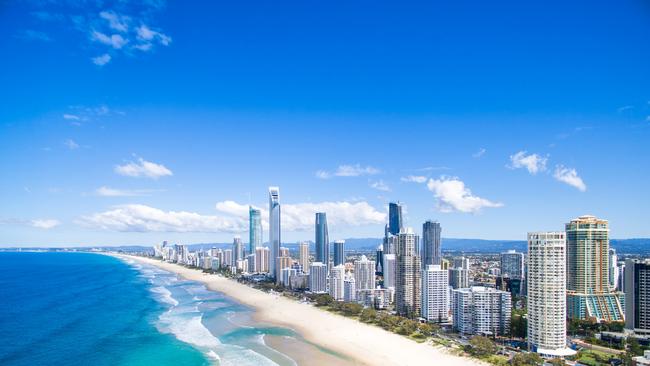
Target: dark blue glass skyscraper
[
  {"x": 431, "y": 243},
  {"x": 322, "y": 239},
  {"x": 339, "y": 252},
  {"x": 395, "y": 223}
]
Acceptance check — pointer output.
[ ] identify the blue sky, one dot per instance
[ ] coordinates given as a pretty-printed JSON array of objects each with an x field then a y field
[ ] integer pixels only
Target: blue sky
[{"x": 131, "y": 123}]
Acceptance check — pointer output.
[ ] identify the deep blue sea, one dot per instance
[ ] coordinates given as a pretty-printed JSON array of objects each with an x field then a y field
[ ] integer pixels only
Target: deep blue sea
[{"x": 91, "y": 309}]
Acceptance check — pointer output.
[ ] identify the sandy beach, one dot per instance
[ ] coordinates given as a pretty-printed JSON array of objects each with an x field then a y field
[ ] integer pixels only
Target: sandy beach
[{"x": 362, "y": 343}]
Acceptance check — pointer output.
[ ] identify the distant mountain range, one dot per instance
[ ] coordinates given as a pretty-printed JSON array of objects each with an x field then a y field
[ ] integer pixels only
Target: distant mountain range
[{"x": 626, "y": 246}]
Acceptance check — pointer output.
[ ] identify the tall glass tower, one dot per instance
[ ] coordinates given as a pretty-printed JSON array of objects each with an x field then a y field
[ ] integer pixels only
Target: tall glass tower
[
  {"x": 339, "y": 252},
  {"x": 274, "y": 229},
  {"x": 395, "y": 223},
  {"x": 254, "y": 229},
  {"x": 322, "y": 239},
  {"x": 431, "y": 243}
]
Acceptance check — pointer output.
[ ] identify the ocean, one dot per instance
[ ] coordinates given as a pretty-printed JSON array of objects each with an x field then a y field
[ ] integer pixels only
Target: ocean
[{"x": 91, "y": 309}]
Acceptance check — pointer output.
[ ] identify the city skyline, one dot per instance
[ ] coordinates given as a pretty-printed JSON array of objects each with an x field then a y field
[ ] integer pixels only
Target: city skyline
[{"x": 201, "y": 131}]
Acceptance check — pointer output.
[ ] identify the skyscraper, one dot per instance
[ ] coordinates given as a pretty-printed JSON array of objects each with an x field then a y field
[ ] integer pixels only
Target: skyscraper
[
  {"x": 318, "y": 277},
  {"x": 274, "y": 229},
  {"x": 237, "y": 249},
  {"x": 379, "y": 260},
  {"x": 390, "y": 270},
  {"x": 408, "y": 275},
  {"x": 431, "y": 243},
  {"x": 364, "y": 273},
  {"x": 303, "y": 255},
  {"x": 322, "y": 239},
  {"x": 637, "y": 296},
  {"x": 512, "y": 264},
  {"x": 337, "y": 278},
  {"x": 588, "y": 289},
  {"x": 254, "y": 229},
  {"x": 435, "y": 294},
  {"x": 547, "y": 293},
  {"x": 262, "y": 259},
  {"x": 395, "y": 224},
  {"x": 350, "y": 290},
  {"x": 339, "y": 252}
]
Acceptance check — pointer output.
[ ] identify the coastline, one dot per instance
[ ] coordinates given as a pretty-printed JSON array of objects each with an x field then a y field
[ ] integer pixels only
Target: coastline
[{"x": 362, "y": 344}]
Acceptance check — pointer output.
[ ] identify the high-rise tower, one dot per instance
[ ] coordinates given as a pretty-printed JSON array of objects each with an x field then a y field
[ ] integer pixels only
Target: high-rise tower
[
  {"x": 547, "y": 294},
  {"x": 254, "y": 229},
  {"x": 274, "y": 229},
  {"x": 322, "y": 239},
  {"x": 339, "y": 252},
  {"x": 431, "y": 243},
  {"x": 589, "y": 294},
  {"x": 395, "y": 223},
  {"x": 408, "y": 275}
]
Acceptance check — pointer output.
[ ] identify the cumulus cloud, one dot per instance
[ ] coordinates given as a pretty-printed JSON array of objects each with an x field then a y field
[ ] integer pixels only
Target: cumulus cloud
[
  {"x": 414, "y": 179},
  {"x": 570, "y": 177},
  {"x": 232, "y": 218},
  {"x": 348, "y": 170},
  {"x": 149, "y": 35},
  {"x": 532, "y": 162},
  {"x": 452, "y": 195},
  {"x": 143, "y": 168},
  {"x": 102, "y": 59},
  {"x": 142, "y": 218},
  {"x": 380, "y": 186}
]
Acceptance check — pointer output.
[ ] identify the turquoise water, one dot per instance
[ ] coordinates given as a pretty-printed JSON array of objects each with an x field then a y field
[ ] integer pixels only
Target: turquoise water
[{"x": 89, "y": 309}]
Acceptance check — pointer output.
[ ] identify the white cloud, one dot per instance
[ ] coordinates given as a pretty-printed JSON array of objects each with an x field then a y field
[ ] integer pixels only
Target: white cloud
[
  {"x": 380, "y": 186},
  {"x": 45, "y": 223},
  {"x": 323, "y": 174},
  {"x": 143, "y": 168},
  {"x": 71, "y": 117},
  {"x": 414, "y": 179},
  {"x": 70, "y": 144},
  {"x": 348, "y": 170},
  {"x": 452, "y": 195},
  {"x": 570, "y": 177},
  {"x": 355, "y": 170},
  {"x": 233, "y": 217},
  {"x": 102, "y": 59},
  {"x": 116, "y": 41},
  {"x": 533, "y": 163},
  {"x": 116, "y": 21},
  {"x": 146, "y": 34},
  {"x": 141, "y": 218},
  {"x": 113, "y": 192},
  {"x": 479, "y": 153},
  {"x": 300, "y": 216}
]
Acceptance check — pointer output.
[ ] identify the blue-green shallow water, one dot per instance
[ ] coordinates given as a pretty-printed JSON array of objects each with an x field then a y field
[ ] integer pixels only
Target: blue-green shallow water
[{"x": 82, "y": 309}]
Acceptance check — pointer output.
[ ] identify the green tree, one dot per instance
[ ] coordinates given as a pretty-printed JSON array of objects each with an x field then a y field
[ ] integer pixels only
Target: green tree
[
  {"x": 324, "y": 300},
  {"x": 482, "y": 346},
  {"x": 557, "y": 362},
  {"x": 526, "y": 359},
  {"x": 368, "y": 315}
]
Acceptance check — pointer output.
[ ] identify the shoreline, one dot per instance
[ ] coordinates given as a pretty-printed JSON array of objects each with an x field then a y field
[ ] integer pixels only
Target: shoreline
[{"x": 360, "y": 343}]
